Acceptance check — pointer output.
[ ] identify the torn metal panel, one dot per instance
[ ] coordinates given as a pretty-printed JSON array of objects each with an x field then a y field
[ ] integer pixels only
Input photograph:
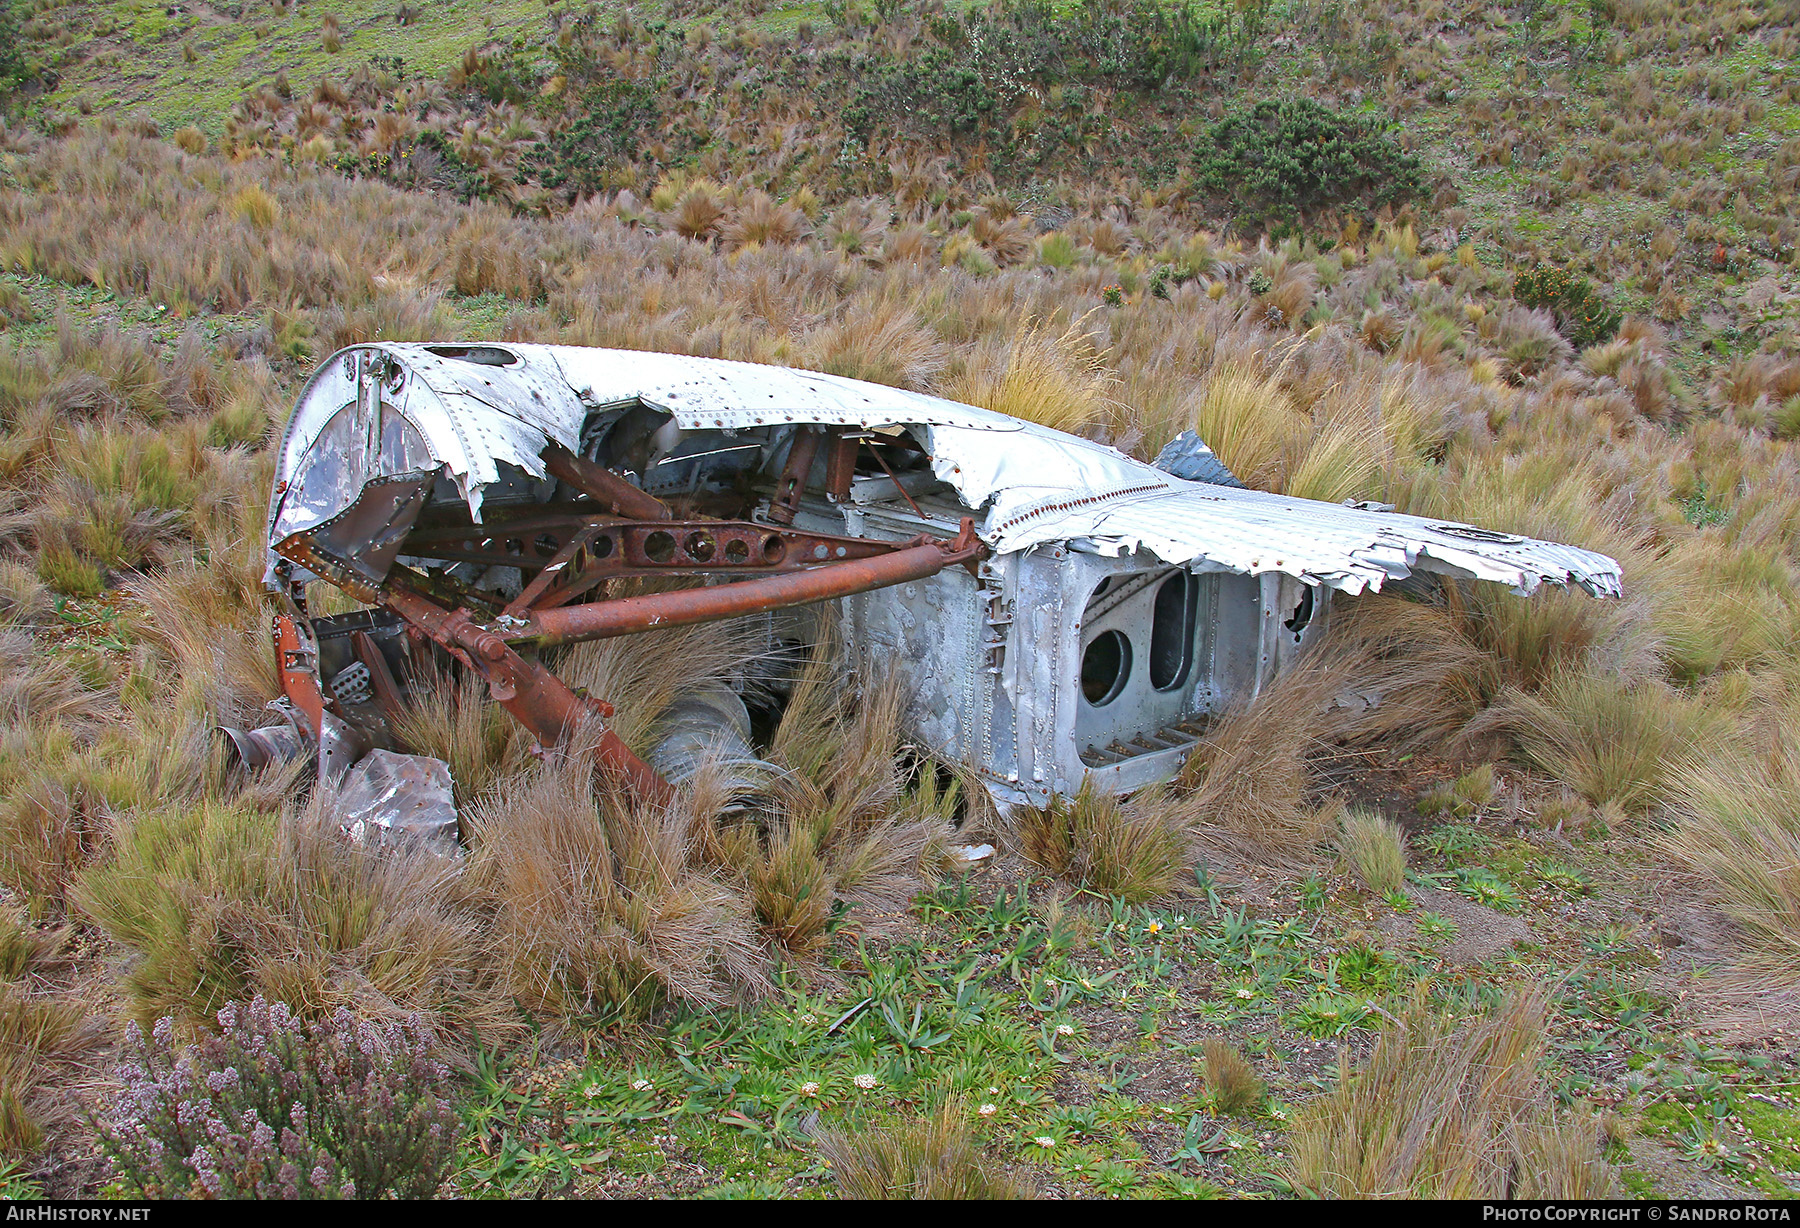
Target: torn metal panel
[{"x": 394, "y": 801}]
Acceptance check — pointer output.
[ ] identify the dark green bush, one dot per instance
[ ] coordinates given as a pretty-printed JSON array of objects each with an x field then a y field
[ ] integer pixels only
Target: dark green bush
[
  {"x": 981, "y": 63},
  {"x": 614, "y": 119},
  {"x": 506, "y": 75},
  {"x": 16, "y": 72},
  {"x": 1581, "y": 314},
  {"x": 1279, "y": 157}
]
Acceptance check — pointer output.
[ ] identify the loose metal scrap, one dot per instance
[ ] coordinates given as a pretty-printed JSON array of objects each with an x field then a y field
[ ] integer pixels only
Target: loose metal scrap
[{"x": 478, "y": 497}]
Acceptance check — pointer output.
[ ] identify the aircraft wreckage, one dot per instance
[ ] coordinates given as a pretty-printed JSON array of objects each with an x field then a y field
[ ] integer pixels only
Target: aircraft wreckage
[{"x": 1053, "y": 609}]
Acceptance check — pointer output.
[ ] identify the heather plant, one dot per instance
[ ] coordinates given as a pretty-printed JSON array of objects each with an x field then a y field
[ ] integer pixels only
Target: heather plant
[{"x": 273, "y": 1108}]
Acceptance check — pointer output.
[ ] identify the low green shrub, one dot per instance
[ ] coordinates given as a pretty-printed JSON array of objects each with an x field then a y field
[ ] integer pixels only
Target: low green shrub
[
  {"x": 1282, "y": 156},
  {"x": 1582, "y": 315}
]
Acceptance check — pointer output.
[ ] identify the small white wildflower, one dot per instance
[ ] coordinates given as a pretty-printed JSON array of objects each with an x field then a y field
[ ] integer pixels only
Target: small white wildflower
[
  {"x": 1278, "y": 1114},
  {"x": 1044, "y": 1140},
  {"x": 864, "y": 1081},
  {"x": 809, "y": 1088},
  {"x": 591, "y": 1090},
  {"x": 1155, "y": 927},
  {"x": 808, "y": 1019},
  {"x": 1245, "y": 992},
  {"x": 987, "y": 1110},
  {"x": 1064, "y": 1029},
  {"x": 1236, "y": 1144},
  {"x": 993, "y": 1091},
  {"x": 642, "y": 1085}
]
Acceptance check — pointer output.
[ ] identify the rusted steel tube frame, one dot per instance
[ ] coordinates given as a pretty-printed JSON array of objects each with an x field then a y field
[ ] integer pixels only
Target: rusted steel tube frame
[
  {"x": 535, "y": 697},
  {"x": 786, "y": 502},
  {"x": 607, "y": 619},
  {"x": 603, "y": 485}
]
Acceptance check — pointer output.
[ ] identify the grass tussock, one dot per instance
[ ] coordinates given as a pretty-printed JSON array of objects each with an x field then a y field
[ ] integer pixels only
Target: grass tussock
[
  {"x": 1610, "y": 740},
  {"x": 934, "y": 1156},
  {"x": 641, "y": 675},
  {"x": 1245, "y": 786},
  {"x": 854, "y": 827},
  {"x": 602, "y": 908},
  {"x": 1134, "y": 849},
  {"x": 1248, "y": 419},
  {"x": 1739, "y": 829},
  {"x": 454, "y": 720},
  {"x": 1410, "y": 675},
  {"x": 1059, "y": 379},
  {"x": 43, "y": 1041},
  {"x": 221, "y": 902},
  {"x": 1375, "y": 847},
  {"x": 1442, "y": 1110},
  {"x": 26, "y": 949},
  {"x": 1232, "y": 1083}
]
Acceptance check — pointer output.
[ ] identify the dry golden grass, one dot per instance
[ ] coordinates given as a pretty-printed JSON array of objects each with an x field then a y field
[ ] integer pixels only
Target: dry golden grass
[
  {"x": 881, "y": 342},
  {"x": 1343, "y": 461},
  {"x": 52, "y": 825},
  {"x": 1448, "y": 1111},
  {"x": 1739, "y": 828},
  {"x": 1246, "y": 782},
  {"x": 25, "y": 949},
  {"x": 934, "y": 1156},
  {"x": 42, "y": 1040},
  {"x": 1608, "y": 739},
  {"x": 1427, "y": 678},
  {"x": 1248, "y": 420},
  {"x": 1135, "y": 849},
  {"x": 218, "y": 902},
  {"x": 849, "y": 828},
  {"x": 761, "y": 220},
  {"x": 1375, "y": 847},
  {"x": 641, "y": 675},
  {"x": 1233, "y": 1085},
  {"x": 1059, "y": 379},
  {"x": 599, "y": 908},
  {"x": 455, "y": 720}
]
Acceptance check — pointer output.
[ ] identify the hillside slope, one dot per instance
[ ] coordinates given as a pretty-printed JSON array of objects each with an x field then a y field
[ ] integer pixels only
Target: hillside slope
[{"x": 1538, "y": 906}]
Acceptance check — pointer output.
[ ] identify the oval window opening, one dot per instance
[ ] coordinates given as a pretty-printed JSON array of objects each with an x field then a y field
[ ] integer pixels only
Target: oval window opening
[
  {"x": 1105, "y": 666},
  {"x": 1172, "y": 631}
]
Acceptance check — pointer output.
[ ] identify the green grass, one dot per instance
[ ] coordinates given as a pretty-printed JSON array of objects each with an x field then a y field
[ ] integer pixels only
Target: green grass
[{"x": 132, "y": 53}]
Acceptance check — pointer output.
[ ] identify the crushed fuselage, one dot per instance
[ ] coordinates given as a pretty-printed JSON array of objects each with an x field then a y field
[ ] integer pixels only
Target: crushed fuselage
[{"x": 1053, "y": 609}]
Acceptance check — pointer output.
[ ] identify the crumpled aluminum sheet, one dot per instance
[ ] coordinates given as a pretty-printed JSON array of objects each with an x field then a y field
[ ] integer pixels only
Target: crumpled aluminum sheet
[
  {"x": 1037, "y": 484},
  {"x": 394, "y": 801}
]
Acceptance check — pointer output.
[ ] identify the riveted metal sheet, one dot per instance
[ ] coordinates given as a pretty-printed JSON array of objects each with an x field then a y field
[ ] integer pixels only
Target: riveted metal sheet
[{"x": 477, "y": 407}]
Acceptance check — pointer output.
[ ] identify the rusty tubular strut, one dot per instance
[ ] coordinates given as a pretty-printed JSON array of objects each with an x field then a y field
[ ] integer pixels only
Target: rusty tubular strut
[
  {"x": 535, "y": 697},
  {"x": 606, "y": 619}
]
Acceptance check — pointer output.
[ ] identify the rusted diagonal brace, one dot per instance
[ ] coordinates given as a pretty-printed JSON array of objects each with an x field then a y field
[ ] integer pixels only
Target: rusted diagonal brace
[
  {"x": 536, "y": 698},
  {"x": 926, "y": 556},
  {"x": 602, "y": 484}
]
